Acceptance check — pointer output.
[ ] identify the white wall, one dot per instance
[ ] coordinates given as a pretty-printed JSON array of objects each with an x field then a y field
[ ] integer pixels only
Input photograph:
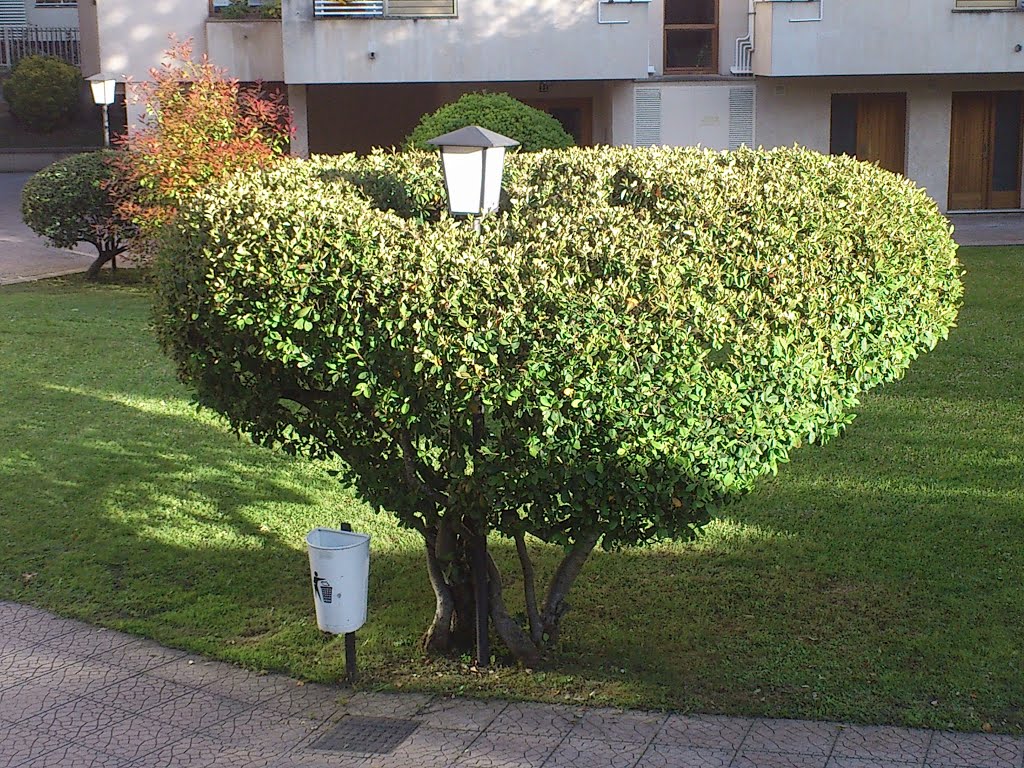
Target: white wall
[
  {"x": 865, "y": 37},
  {"x": 694, "y": 114},
  {"x": 798, "y": 111},
  {"x": 132, "y": 35},
  {"x": 52, "y": 17},
  {"x": 248, "y": 50},
  {"x": 491, "y": 40}
]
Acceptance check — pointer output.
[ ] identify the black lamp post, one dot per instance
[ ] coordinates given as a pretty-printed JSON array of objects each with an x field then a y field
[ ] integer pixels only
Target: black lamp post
[{"x": 473, "y": 161}]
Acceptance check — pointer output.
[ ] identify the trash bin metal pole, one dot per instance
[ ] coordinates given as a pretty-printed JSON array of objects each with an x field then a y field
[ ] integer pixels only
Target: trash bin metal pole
[
  {"x": 480, "y": 583},
  {"x": 351, "y": 671}
]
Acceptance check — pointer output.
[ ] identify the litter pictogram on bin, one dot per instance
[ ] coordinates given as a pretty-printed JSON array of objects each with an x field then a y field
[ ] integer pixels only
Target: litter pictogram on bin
[{"x": 323, "y": 588}]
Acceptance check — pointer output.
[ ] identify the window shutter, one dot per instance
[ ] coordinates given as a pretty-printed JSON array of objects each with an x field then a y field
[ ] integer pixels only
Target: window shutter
[
  {"x": 647, "y": 117},
  {"x": 12, "y": 13},
  {"x": 741, "y": 117}
]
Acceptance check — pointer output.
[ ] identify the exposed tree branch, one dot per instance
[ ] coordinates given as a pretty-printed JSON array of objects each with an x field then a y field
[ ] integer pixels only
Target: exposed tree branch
[
  {"x": 568, "y": 571},
  {"x": 438, "y": 637},
  {"x": 530, "y": 590},
  {"x": 511, "y": 634}
]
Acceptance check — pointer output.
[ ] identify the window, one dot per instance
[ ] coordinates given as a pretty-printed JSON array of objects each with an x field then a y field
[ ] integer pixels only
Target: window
[
  {"x": 984, "y": 5},
  {"x": 691, "y": 36},
  {"x": 56, "y": 3}
]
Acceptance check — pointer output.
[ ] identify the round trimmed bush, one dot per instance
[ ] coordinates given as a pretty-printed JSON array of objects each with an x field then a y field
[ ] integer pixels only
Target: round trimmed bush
[
  {"x": 43, "y": 92},
  {"x": 499, "y": 112},
  {"x": 635, "y": 340},
  {"x": 69, "y": 203}
]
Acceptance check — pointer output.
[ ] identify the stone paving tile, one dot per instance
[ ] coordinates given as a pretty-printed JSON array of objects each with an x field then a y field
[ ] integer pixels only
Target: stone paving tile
[
  {"x": 9, "y": 644},
  {"x": 140, "y": 693},
  {"x": 619, "y": 725},
  {"x": 575, "y": 752},
  {"x": 426, "y": 748},
  {"x": 33, "y": 625},
  {"x": 281, "y": 694},
  {"x": 74, "y": 756},
  {"x": 666, "y": 756},
  {"x": 321, "y": 760},
  {"x": 33, "y": 661},
  {"x": 703, "y": 732},
  {"x": 76, "y": 719},
  {"x": 139, "y": 655},
  {"x": 197, "y": 752},
  {"x": 197, "y": 711},
  {"x": 794, "y": 736},
  {"x": 397, "y": 705},
  {"x": 867, "y": 762},
  {"x": 83, "y": 677},
  {"x": 777, "y": 760},
  {"x": 882, "y": 743},
  {"x": 546, "y": 720},
  {"x": 25, "y": 701},
  {"x": 978, "y": 750},
  {"x": 131, "y": 738},
  {"x": 87, "y": 641},
  {"x": 460, "y": 714},
  {"x": 502, "y": 750},
  {"x": 258, "y": 727},
  {"x": 18, "y": 744},
  {"x": 196, "y": 671}
]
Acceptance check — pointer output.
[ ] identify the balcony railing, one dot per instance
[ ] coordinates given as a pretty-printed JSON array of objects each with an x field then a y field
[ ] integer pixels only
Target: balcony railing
[
  {"x": 418, "y": 9},
  {"x": 18, "y": 42}
]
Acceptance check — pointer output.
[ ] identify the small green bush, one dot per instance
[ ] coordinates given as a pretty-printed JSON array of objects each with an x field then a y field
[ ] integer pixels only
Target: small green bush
[
  {"x": 636, "y": 339},
  {"x": 43, "y": 93},
  {"x": 533, "y": 129},
  {"x": 69, "y": 203}
]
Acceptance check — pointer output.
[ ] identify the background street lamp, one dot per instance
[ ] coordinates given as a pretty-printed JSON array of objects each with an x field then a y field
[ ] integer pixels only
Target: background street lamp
[
  {"x": 104, "y": 91},
  {"x": 473, "y": 161}
]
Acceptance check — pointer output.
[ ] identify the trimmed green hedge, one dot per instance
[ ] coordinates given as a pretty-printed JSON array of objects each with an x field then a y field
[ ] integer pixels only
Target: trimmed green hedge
[
  {"x": 69, "y": 203},
  {"x": 636, "y": 339},
  {"x": 499, "y": 112},
  {"x": 43, "y": 92}
]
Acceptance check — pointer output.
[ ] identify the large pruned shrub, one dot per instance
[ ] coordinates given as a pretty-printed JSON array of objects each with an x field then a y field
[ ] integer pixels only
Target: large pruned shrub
[
  {"x": 634, "y": 340},
  {"x": 43, "y": 92},
  {"x": 533, "y": 129},
  {"x": 69, "y": 202}
]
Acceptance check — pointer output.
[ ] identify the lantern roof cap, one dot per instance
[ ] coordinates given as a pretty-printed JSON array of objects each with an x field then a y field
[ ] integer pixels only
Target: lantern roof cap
[{"x": 472, "y": 136}]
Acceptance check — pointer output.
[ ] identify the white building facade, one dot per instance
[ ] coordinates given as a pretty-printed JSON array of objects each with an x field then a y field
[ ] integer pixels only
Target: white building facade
[{"x": 929, "y": 88}]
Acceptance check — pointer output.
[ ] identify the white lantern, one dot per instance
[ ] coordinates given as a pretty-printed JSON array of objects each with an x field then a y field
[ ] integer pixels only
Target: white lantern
[
  {"x": 473, "y": 160},
  {"x": 103, "y": 89}
]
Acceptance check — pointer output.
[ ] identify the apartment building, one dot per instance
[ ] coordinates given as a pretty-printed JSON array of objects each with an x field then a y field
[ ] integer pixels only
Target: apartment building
[
  {"x": 929, "y": 88},
  {"x": 38, "y": 26}
]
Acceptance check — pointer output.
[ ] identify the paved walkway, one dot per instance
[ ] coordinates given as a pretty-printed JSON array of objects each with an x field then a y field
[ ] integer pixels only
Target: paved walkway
[
  {"x": 73, "y": 695},
  {"x": 988, "y": 228},
  {"x": 23, "y": 255}
]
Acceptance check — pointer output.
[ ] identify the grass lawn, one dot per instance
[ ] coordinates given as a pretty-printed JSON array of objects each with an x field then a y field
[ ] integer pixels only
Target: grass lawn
[{"x": 879, "y": 579}]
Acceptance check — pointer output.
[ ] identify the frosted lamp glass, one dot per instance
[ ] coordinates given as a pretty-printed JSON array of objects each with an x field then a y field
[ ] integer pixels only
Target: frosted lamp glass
[
  {"x": 103, "y": 91},
  {"x": 494, "y": 165},
  {"x": 463, "y": 172}
]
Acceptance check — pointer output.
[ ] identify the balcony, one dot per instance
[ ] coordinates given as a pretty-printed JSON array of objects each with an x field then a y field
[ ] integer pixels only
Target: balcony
[
  {"x": 18, "y": 42},
  {"x": 388, "y": 9},
  {"x": 440, "y": 41},
  {"x": 794, "y": 38}
]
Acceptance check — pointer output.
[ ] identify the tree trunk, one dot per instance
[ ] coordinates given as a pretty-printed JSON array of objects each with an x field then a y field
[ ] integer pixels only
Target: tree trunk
[
  {"x": 452, "y": 629},
  {"x": 103, "y": 258}
]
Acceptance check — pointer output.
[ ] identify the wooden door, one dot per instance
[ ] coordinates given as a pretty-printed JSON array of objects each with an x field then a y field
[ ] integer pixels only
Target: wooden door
[
  {"x": 968, "y": 151},
  {"x": 882, "y": 130},
  {"x": 575, "y": 115},
  {"x": 985, "y": 151}
]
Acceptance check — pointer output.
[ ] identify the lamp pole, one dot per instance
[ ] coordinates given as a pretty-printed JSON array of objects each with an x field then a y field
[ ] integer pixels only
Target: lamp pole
[
  {"x": 473, "y": 162},
  {"x": 104, "y": 91}
]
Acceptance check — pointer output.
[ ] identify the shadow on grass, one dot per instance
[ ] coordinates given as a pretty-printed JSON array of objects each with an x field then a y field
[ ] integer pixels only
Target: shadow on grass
[{"x": 846, "y": 589}]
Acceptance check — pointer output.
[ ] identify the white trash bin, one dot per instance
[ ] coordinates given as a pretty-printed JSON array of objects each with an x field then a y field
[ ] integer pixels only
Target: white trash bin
[{"x": 339, "y": 562}]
